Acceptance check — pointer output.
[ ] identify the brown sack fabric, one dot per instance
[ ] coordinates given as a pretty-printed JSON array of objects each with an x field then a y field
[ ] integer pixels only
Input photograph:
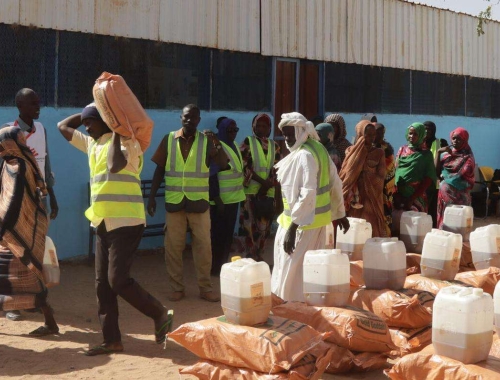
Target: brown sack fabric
[
  {"x": 274, "y": 347},
  {"x": 120, "y": 109},
  {"x": 466, "y": 257},
  {"x": 432, "y": 285},
  {"x": 413, "y": 263},
  {"x": 370, "y": 361},
  {"x": 484, "y": 278},
  {"x": 310, "y": 367},
  {"x": 427, "y": 365},
  {"x": 351, "y": 328},
  {"x": 275, "y": 300},
  {"x": 408, "y": 308},
  {"x": 411, "y": 340},
  {"x": 357, "y": 279},
  {"x": 342, "y": 359}
]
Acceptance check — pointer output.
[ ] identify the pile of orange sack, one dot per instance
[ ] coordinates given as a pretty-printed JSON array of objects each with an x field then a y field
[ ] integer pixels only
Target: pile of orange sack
[{"x": 402, "y": 326}]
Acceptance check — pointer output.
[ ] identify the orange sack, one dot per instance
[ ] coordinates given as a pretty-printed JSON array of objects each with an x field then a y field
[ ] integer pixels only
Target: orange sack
[
  {"x": 310, "y": 367},
  {"x": 484, "y": 278},
  {"x": 408, "y": 308},
  {"x": 350, "y": 327},
  {"x": 429, "y": 366},
  {"x": 411, "y": 340},
  {"x": 120, "y": 109},
  {"x": 432, "y": 285},
  {"x": 273, "y": 347},
  {"x": 357, "y": 279}
]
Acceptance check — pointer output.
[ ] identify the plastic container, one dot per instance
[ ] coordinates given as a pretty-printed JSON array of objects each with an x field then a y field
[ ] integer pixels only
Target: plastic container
[
  {"x": 496, "y": 307},
  {"x": 352, "y": 241},
  {"x": 485, "y": 246},
  {"x": 246, "y": 291},
  {"x": 329, "y": 239},
  {"x": 458, "y": 219},
  {"x": 413, "y": 227},
  {"x": 441, "y": 255},
  {"x": 50, "y": 266},
  {"x": 462, "y": 324},
  {"x": 384, "y": 263},
  {"x": 327, "y": 276}
]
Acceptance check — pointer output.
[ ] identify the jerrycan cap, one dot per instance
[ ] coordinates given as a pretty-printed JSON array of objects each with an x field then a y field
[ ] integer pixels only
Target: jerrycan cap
[
  {"x": 477, "y": 292},
  {"x": 235, "y": 258}
]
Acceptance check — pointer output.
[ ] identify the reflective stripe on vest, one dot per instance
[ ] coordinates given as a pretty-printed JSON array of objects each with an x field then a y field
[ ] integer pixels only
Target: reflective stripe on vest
[
  {"x": 231, "y": 180},
  {"x": 190, "y": 178},
  {"x": 322, "y": 212},
  {"x": 113, "y": 195},
  {"x": 262, "y": 164}
]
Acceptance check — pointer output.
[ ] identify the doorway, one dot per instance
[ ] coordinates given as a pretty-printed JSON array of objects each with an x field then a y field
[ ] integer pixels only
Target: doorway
[{"x": 298, "y": 86}]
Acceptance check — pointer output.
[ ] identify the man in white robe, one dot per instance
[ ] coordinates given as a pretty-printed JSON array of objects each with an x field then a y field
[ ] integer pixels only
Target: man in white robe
[{"x": 298, "y": 174}]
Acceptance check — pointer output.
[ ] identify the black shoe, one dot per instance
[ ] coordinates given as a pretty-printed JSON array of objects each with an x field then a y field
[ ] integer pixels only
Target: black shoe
[{"x": 13, "y": 315}]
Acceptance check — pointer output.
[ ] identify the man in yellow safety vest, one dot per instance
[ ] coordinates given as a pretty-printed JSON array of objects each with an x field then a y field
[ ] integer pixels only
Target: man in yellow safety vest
[
  {"x": 117, "y": 211},
  {"x": 184, "y": 157},
  {"x": 312, "y": 199}
]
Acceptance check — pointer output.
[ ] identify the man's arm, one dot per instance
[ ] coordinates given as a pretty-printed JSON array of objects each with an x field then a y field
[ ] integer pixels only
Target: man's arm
[
  {"x": 67, "y": 126},
  {"x": 155, "y": 185},
  {"x": 116, "y": 159},
  {"x": 49, "y": 182}
]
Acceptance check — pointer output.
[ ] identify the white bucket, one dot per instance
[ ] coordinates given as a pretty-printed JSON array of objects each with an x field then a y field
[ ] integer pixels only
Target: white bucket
[
  {"x": 441, "y": 255},
  {"x": 246, "y": 291},
  {"x": 326, "y": 277},
  {"x": 352, "y": 241},
  {"x": 458, "y": 219},
  {"x": 412, "y": 230},
  {"x": 384, "y": 263},
  {"x": 485, "y": 246},
  {"x": 50, "y": 266},
  {"x": 462, "y": 324},
  {"x": 496, "y": 307}
]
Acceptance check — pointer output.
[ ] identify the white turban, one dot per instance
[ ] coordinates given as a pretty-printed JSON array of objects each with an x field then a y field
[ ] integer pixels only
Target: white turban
[{"x": 304, "y": 129}]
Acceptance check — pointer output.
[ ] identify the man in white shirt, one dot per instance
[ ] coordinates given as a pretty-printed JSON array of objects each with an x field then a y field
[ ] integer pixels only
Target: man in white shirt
[
  {"x": 312, "y": 198},
  {"x": 28, "y": 104}
]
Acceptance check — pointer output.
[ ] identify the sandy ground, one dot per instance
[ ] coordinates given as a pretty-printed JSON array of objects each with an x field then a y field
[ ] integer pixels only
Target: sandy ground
[{"x": 61, "y": 356}]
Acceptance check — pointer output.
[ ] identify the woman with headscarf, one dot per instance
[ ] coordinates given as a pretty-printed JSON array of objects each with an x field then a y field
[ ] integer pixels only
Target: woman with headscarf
[
  {"x": 23, "y": 229},
  {"x": 362, "y": 175},
  {"x": 415, "y": 171},
  {"x": 340, "y": 143},
  {"x": 225, "y": 192},
  {"x": 389, "y": 174},
  {"x": 456, "y": 165},
  {"x": 259, "y": 154}
]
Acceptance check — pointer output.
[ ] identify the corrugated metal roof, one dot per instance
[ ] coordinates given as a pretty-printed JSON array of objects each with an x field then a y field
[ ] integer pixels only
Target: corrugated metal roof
[
  {"x": 74, "y": 15},
  {"x": 390, "y": 33}
]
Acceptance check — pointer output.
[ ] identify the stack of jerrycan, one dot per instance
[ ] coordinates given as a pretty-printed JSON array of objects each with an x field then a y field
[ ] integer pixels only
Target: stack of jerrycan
[
  {"x": 462, "y": 324},
  {"x": 441, "y": 255},
  {"x": 412, "y": 230},
  {"x": 384, "y": 263},
  {"x": 352, "y": 241},
  {"x": 246, "y": 291},
  {"x": 326, "y": 277}
]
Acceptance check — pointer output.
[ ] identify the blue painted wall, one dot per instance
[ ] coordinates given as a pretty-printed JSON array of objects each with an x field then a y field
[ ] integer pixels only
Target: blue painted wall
[{"x": 70, "y": 230}]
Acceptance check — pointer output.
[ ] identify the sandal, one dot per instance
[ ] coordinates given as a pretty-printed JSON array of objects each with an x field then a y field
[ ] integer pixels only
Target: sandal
[
  {"x": 44, "y": 331},
  {"x": 166, "y": 327},
  {"x": 104, "y": 349}
]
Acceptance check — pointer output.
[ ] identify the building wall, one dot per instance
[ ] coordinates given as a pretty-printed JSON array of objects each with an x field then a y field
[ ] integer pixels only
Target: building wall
[
  {"x": 385, "y": 33},
  {"x": 70, "y": 230}
]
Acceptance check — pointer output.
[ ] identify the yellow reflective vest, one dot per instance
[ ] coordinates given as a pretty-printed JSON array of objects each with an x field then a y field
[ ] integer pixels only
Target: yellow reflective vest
[
  {"x": 113, "y": 195},
  {"x": 186, "y": 178},
  {"x": 231, "y": 180},
  {"x": 262, "y": 164},
  {"x": 322, "y": 212}
]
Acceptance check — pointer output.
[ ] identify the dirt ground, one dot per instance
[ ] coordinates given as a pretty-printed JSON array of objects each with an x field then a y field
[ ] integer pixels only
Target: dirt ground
[
  {"x": 74, "y": 302},
  {"x": 61, "y": 356}
]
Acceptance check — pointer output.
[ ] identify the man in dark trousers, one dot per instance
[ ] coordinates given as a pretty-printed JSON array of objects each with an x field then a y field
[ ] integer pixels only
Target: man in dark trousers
[{"x": 117, "y": 211}]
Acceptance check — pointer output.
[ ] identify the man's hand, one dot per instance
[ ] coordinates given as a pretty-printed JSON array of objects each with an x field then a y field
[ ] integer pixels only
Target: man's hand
[
  {"x": 264, "y": 188},
  {"x": 343, "y": 224},
  {"x": 151, "y": 207},
  {"x": 289, "y": 243},
  {"x": 54, "y": 208}
]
